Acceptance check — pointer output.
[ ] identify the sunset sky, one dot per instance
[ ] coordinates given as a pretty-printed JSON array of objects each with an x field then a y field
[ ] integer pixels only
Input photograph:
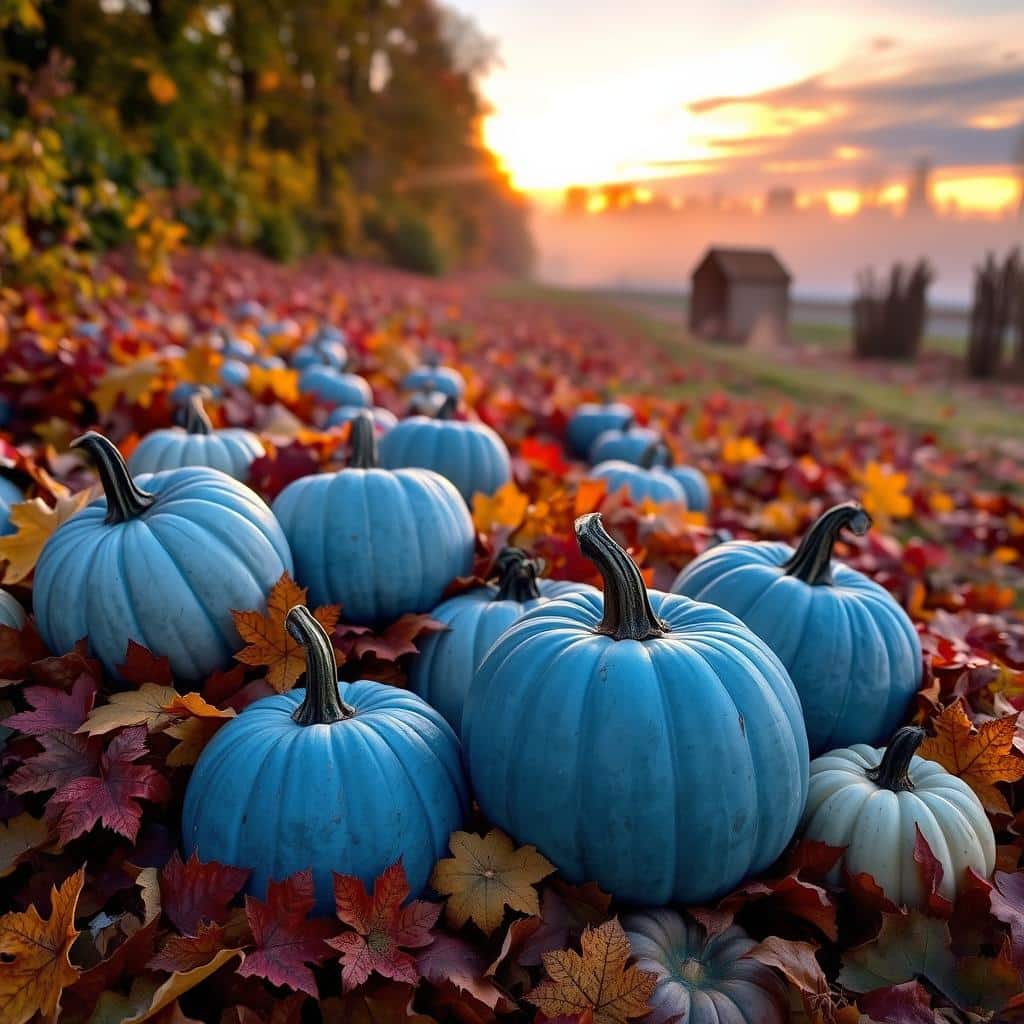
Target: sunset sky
[{"x": 829, "y": 98}]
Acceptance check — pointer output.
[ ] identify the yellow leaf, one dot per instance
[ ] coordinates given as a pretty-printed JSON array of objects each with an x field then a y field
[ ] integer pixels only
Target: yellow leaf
[
  {"x": 134, "y": 381},
  {"x": 487, "y": 873},
  {"x": 741, "y": 449},
  {"x": 506, "y": 507},
  {"x": 270, "y": 643},
  {"x": 884, "y": 494},
  {"x": 145, "y": 706},
  {"x": 35, "y": 523},
  {"x": 196, "y": 730},
  {"x": 282, "y": 384},
  {"x": 34, "y": 963},
  {"x": 162, "y": 88},
  {"x": 597, "y": 981},
  {"x": 18, "y": 837}
]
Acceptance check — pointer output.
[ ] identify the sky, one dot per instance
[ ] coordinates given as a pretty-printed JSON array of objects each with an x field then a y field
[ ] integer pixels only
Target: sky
[{"x": 737, "y": 97}]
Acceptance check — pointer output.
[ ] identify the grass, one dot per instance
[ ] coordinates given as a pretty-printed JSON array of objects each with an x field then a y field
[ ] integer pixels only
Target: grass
[{"x": 962, "y": 419}]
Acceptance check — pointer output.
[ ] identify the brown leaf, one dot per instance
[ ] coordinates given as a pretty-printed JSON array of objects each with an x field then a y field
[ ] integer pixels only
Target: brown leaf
[
  {"x": 36, "y": 522},
  {"x": 19, "y": 836},
  {"x": 146, "y": 706}
]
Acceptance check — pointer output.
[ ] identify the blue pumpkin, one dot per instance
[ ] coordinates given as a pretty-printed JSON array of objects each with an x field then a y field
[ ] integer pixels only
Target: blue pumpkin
[
  {"x": 591, "y": 420},
  {"x": 335, "y": 388},
  {"x": 475, "y": 619},
  {"x": 321, "y": 353},
  {"x": 337, "y": 777},
  {"x": 643, "y": 741},
  {"x": 695, "y": 487},
  {"x": 431, "y": 376},
  {"x": 851, "y": 650},
  {"x": 163, "y": 566},
  {"x": 196, "y": 443},
  {"x": 646, "y": 480},
  {"x": 11, "y": 612},
  {"x": 10, "y": 494},
  {"x": 383, "y": 419},
  {"x": 627, "y": 445},
  {"x": 378, "y": 543},
  {"x": 471, "y": 455},
  {"x": 235, "y": 347},
  {"x": 234, "y": 373}
]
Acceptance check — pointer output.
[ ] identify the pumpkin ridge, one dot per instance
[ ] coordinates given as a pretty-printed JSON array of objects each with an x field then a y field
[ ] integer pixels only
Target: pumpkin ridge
[
  {"x": 672, "y": 744},
  {"x": 846, "y": 610}
]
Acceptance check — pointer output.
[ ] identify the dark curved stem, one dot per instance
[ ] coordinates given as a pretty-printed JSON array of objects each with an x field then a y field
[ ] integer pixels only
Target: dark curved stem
[
  {"x": 893, "y": 772},
  {"x": 517, "y": 576},
  {"x": 125, "y": 500},
  {"x": 432, "y": 358},
  {"x": 812, "y": 560},
  {"x": 322, "y": 705},
  {"x": 656, "y": 454},
  {"x": 446, "y": 410},
  {"x": 194, "y": 416},
  {"x": 363, "y": 442},
  {"x": 628, "y": 614}
]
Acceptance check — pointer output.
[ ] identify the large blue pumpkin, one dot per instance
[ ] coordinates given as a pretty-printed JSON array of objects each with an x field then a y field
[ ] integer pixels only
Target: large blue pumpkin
[
  {"x": 851, "y": 650},
  {"x": 196, "y": 443},
  {"x": 627, "y": 445},
  {"x": 640, "y": 740},
  {"x": 337, "y": 777},
  {"x": 163, "y": 566},
  {"x": 471, "y": 455},
  {"x": 378, "y": 543},
  {"x": 333, "y": 387},
  {"x": 591, "y": 420},
  {"x": 10, "y": 494},
  {"x": 431, "y": 376},
  {"x": 442, "y": 673}
]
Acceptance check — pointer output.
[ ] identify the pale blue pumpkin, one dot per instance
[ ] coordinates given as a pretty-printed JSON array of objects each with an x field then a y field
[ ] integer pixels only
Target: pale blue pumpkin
[
  {"x": 442, "y": 673},
  {"x": 378, "y": 543},
  {"x": 695, "y": 486},
  {"x": 643, "y": 741},
  {"x": 645, "y": 481},
  {"x": 337, "y": 777},
  {"x": 383, "y": 419},
  {"x": 431, "y": 376},
  {"x": 163, "y": 566},
  {"x": 851, "y": 650},
  {"x": 335, "y": 388},
  {"x": 11, "y": 612},
  {"x": 196, "y": 443},
  {"x": 10, "y": 494},
  {"x": 321, "y": 353},
  {"x": 470, "y": 455},
  {"x": 591, "y": 420},
  {"x": 627, "y": 445},
  {"x": 234, "y": 373}
]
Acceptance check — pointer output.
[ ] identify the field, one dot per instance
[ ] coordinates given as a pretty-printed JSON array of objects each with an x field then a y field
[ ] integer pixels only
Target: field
[{"x": 111, "y": 915}]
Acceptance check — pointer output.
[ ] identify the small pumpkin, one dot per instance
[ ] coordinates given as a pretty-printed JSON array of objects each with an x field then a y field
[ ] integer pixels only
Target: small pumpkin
[
  {"x": 10, "y": 494},
  {"x": 628, "y": 445},
  {"x": 872, "y": 801},
  {"x": 322, "y": 350},
  {"x": 234, "y": 373},
  {"x": 591, "y": 420},
  {"x": 383, "y": 419},
  {"x": 442, "y": 673},
  {"x": 11, "y": 612},
  {"x": 432, "y": 376},
  {"x": 196, "y": 443},
  {"x": 379, "y": 543},
  {"x": 644, "y": 481},
  {"x": 850, "y": 649},
  {"x": 471, "y": 455},
  {"x": 702, "y": 980},
  {"x": 640, "y": 740},
  {"x": 337, "y": 777},
  {"x": 335, "y": 388},
  {"x": 235, "y": 347},
  {"x": 161, "y": 560}
]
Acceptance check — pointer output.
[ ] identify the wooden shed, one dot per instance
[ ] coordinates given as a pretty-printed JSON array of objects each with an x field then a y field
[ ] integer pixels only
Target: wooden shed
[{"x": 734, "y": 291}]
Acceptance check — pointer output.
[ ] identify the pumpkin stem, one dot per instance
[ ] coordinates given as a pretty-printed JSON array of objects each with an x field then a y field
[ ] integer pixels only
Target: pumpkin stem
[
  {"x": 812, "y": 560},
  {"x": 363, "y": 442},
  {"x": 656, "y": 454},
  {"x": 517, "y": 576},
  {"x": 893, "y": 771},
  {"x": 446, "y": 410},
  {"x": 432, "y": 358},
  {"x": 628, "y": 614},
  {"x": 125, "y": 500},
  {"x": 322, "y": 705},
  {"x": 194, "y": 417}
]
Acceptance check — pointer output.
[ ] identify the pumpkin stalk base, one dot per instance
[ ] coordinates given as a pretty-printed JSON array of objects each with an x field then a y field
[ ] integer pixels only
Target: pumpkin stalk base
[
  {"x": 812, "y": 560},
  {"x": 893, "y": 771},
  {"x": 322, "y": 705}
]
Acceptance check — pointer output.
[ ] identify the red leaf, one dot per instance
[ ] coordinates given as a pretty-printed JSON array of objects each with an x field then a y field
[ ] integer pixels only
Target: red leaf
[
  {"x": 398, "y": 638},
  {"x": 1008, "y": 906},
  {"x": 142, "y": 666},
  {"x": 18, "y": 650},
  {"x": 110, "y": 798},
  {"x": 193, "y": 891},
  {"x": 798, "y": 963},
  {"x": 899, "y": 1004},
  {"x": 931, "y": 871},
  {"x": 65, "y": 670},
  {"x": 285, "y": 940},
  {"x": 187, "y": 952},
  {"x": 271, "y": 474},
  {"x": 382, "y": 925},
  {"x": 54, "y": 710},
  {"x": 65, "y": 757},
  {"x": 545, "y": 456},
  {"x": 452, "y": 959},
  {"x": 869, "y": 894}
]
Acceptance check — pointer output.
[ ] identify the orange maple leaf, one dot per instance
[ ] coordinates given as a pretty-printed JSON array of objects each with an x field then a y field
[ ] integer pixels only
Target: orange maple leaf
[
  {"x": 269, "y": 643},
  {"x": 980, "y": 757},
  {"x": 598, "y": 981},
  {"x": 282, "y": 384},
  {"x": 36, "y": 523},
  {"x": 506, "y": 507},
  {"x": 36, "y": 967}
]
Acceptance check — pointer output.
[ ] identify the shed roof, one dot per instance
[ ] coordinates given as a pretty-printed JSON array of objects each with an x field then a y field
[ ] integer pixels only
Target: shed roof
[{"x": 747, "y": 265}]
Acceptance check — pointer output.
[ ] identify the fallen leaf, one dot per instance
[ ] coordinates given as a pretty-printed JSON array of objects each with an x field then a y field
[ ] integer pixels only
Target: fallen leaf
[
  {"x": 194, "y": 891},
  {"x": 1007, "y": 905},
  {"x": 187, "y": 952},
  {"x": 19, "y": 836},
  {"x": 34, "y": 963},
  {"x": 65, "y": 757},
  {"x": 134, "y": 381},
  {"x": 145, "y": 706},
  {"x": 798, "y": 963},
  {"x": 54, "y": 710},
  {"x": 35, "y": 523},
  {"x": 398, "y": 638},
  {"x": 177, "y": 985},
  {"x": 908, "y": 1003},
  {"x": 931, "y": 871},
  {"x": 270, "y": 643},
  {"x": 597, "y": 981},
  {"x": 449, "y": 958},
  {"x": 505, "y": 508},
  {"x": 142, "y": 666},
  {"x": 980, "y": 757}
]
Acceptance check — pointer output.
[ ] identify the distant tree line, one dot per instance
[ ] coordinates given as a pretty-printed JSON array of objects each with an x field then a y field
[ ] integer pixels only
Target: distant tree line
[{"x": 349, "y": 126}]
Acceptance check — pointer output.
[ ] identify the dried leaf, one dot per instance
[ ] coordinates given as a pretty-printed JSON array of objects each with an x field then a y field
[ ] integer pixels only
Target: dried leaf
[
  {"x": 194, "y": 891},
  {"x": 398, "y": 638},
  {"x": 146, "y": 706},
  {"x": 505, "y": 508},
  {"x": 35, "y": 524},
  {"x": 54, "y": 710}
]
